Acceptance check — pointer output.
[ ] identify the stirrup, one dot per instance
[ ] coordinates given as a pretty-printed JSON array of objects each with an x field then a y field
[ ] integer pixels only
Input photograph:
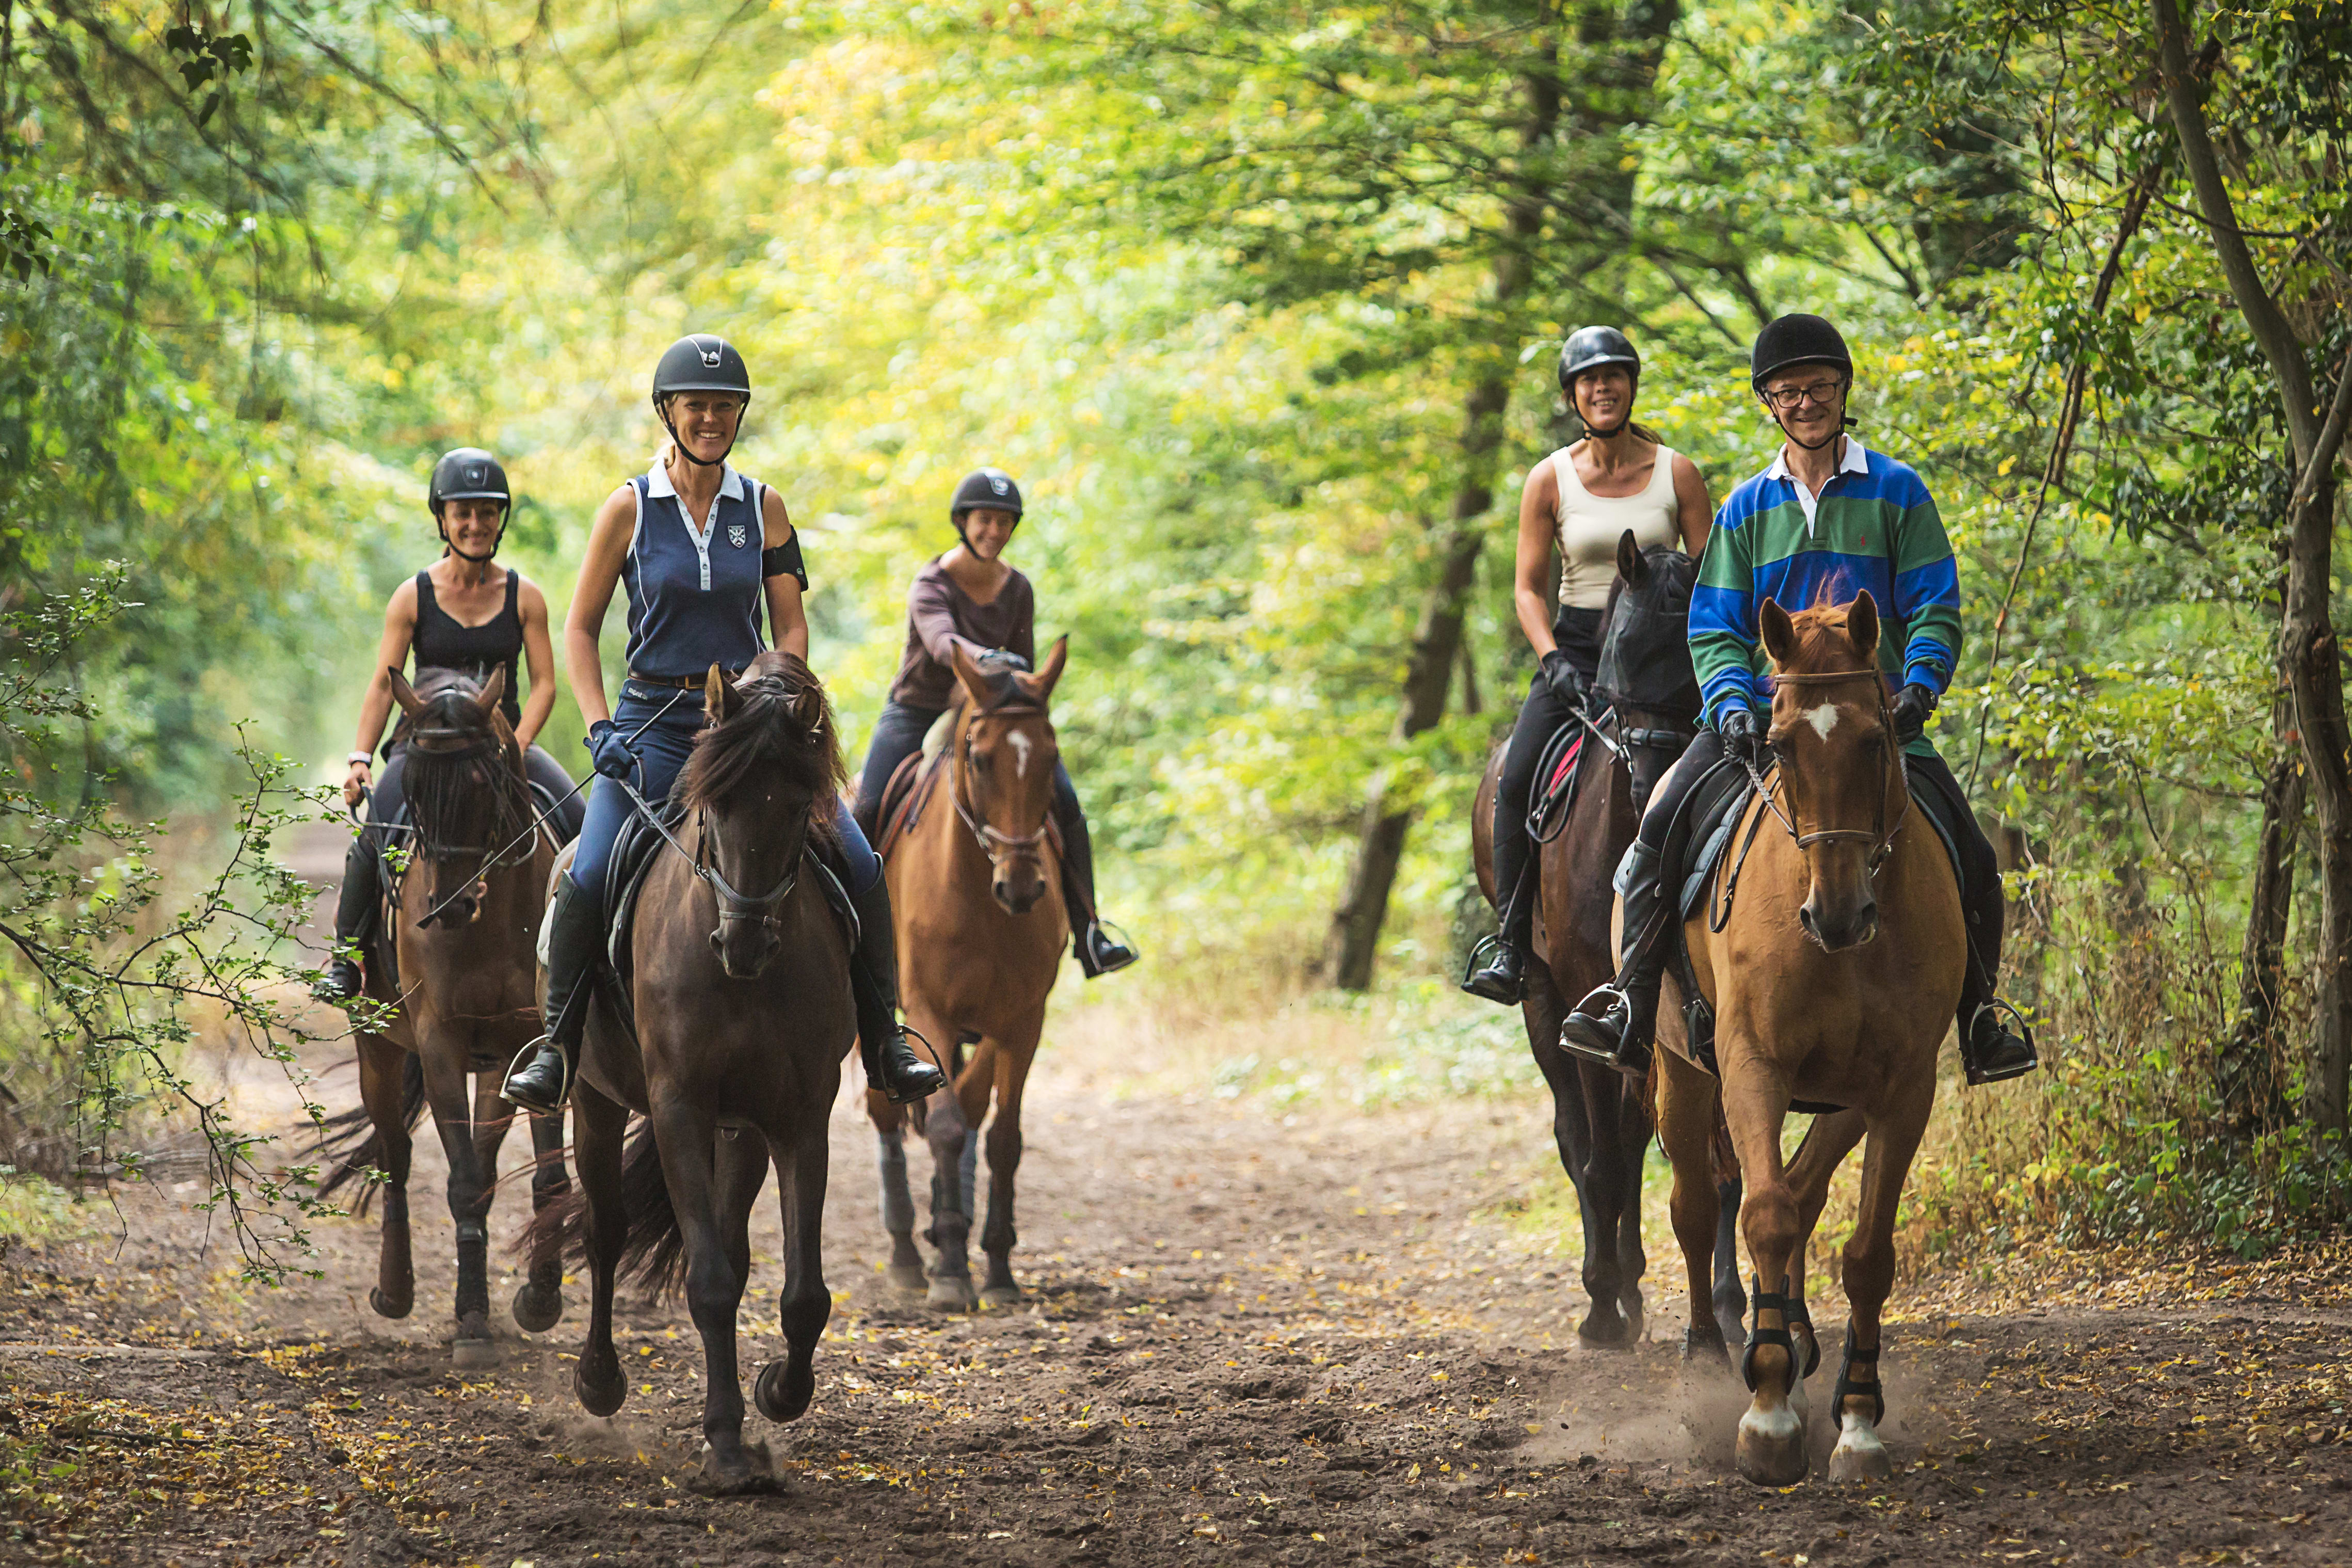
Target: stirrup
[
  {"x": 1596, "y": 1005},
  {"x": 1485, "y": 948},
  {"x": 873, "y": 1077},
  {"x": 516, "y": 1065},
  {"x": 1094, "y": 968},
  {"x": 1976, "y": 1074}
]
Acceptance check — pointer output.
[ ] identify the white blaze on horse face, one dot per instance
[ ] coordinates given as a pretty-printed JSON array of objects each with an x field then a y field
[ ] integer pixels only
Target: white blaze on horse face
[
  {"x": 1824, "y": 719},
  {"x": 1020, "y": 743}
]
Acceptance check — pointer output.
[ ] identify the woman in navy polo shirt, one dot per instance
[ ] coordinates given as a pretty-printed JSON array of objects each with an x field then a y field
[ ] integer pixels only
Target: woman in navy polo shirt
[{"x": 701, "y": 549}]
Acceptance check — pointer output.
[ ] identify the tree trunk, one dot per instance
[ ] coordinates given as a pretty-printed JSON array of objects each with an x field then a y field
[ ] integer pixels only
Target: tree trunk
[{"x": 2242, "y": 1070}]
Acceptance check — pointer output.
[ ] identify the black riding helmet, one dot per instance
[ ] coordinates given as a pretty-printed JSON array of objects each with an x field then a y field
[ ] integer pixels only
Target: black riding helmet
[
  {"x": 468, "y": 474},
  {"x": 990, "y": 488},
  {"x": 700, "y": 361},
  {"x": 1790, "y": 341},
  {"x": 1590, "y": 348}
]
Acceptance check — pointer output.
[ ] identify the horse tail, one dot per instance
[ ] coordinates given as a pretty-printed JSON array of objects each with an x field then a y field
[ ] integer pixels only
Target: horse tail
[
  {"x": 355, "y": 1143},
  {"x": 653, "y": 1253}
]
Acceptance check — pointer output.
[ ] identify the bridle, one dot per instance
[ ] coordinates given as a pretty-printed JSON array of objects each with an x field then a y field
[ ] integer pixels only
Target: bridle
[
  {"x": 1880, "y": 834},
  {"x": 998, "y": 847},
  {"x": 734, "y": 906},
  {"x": 467, "y": 745}
]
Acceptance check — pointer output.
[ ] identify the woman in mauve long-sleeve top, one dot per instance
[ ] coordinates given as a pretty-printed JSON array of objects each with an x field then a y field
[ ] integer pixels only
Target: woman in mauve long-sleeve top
[{"x": 971, "y": 597}]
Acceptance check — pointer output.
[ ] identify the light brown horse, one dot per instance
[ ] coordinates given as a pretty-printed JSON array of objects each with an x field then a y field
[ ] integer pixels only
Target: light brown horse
[
  {"x": 975, "y": 887},
  {"x": 741, "y": 983},
  {"x": 463, "y": 930},
  {"x": 1832, "y": 978}
]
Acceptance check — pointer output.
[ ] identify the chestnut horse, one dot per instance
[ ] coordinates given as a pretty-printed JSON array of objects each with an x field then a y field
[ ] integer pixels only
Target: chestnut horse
[
  {"x": 976, "y": 889},
  {"x": 1600, "y": 1119},
  {"x": 464, "y": 934},
  {"x": 739, "y": 975},
  {"x": 1833, "y": 976}
]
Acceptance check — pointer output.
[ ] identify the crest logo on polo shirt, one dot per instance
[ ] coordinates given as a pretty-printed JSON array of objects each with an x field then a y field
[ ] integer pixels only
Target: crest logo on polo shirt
[{"x": 735, "y": 534}]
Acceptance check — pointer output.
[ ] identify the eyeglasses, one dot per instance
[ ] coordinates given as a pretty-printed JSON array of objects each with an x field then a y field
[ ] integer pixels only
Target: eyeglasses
[{"x": 1784, "y": 398}]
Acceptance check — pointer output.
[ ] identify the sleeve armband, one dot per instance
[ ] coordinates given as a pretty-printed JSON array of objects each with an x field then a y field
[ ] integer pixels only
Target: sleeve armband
[{"x": 779, "y": 559}]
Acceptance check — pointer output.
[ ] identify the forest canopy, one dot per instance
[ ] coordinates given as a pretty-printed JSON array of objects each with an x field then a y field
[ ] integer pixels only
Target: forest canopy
[{"x": 1260, "y": 300}]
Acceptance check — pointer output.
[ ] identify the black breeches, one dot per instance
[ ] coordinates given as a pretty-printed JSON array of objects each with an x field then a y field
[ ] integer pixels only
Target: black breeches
[
  {"x": 1980, "y": 894},
  {"x": 898, "y": 734},
  {"x": 1578, "y": 633},
  {"x": 356, "y": 901}
]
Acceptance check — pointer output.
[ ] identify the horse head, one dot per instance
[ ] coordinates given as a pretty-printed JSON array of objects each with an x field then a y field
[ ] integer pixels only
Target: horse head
[
  {"x": 1005, "y": 755},
  {"x": 1840, "y": 769},
  {"x": 467, "y": 793},
  {"x": 768, "y": 758},
  {"x": 1646, "y": 663}
]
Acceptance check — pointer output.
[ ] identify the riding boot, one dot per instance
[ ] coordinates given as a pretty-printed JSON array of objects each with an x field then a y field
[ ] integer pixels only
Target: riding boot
[
  {"x": 1990, "y": 1051},
  {"x": 575, "y": 941},
  {"x": 355, "y": 917},
  {"x": 1098, "y": 951},
  {"x": 1616, "y": 1022},
  {"x": 891, "y": 1064},
  {"x": 1502, "y": 976}
]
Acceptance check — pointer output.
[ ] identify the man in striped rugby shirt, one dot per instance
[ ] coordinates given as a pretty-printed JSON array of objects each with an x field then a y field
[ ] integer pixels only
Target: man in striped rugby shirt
[{"x": 1827, "y": 520}]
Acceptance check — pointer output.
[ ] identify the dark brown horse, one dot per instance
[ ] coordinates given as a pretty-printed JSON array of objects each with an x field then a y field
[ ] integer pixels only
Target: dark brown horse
[
  {"x": 739, "y": 975},
  {"x": 1833, "y": 972},
  {"x": 975, "y": 886},
  {"x": 1600, "y": 1119},
  {"x": 463, "y": 934}
]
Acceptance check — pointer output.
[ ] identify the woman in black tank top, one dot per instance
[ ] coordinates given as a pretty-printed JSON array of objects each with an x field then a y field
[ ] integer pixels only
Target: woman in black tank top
[{"x": 464, "y": 613}]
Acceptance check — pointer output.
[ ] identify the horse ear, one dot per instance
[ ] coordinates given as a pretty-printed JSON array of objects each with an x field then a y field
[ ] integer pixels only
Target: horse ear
[
  {"x": 809, "y": 708},
  {"x": 488, "y": 699},
  {"x": 1629, "y": 558},
  {"x": 405, "y": 694},
  {"x": 717, "y": 696},
  {"x": 1778, "y": 631},
  {"x": 1861, "y": 625},
  {"x": 1041, "y": 685},
  {"x": 975, "y": 684}
]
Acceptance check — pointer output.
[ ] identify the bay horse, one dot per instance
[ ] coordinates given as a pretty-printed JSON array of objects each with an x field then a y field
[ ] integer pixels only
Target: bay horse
[
  {"x": 977, "y": 894},
  {"x": 1600, "y": 1117},
  {"x": 1833, "y": 976},
  {"x": 463, "y": 939},
  {"x": 742, "y": 1015}
]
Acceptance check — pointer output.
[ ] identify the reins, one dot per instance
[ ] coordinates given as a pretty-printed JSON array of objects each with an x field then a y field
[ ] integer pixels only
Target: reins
[
  {"x": 996, "y": 846},
  {"x": 732, "y": 905}
]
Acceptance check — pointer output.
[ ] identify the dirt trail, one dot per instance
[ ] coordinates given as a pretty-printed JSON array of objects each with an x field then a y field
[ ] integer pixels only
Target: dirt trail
[{"x": 1286, "y": 1339}]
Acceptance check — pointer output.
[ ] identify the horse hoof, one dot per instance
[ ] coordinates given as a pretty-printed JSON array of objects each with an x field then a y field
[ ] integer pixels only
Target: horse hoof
[
  {"x": 785, "y": 1388},
  {"x": 1771, "y": 1450},
  {"x": 1001, "y": 1296},
  {"x": 1606, "y": 1331},
  {"x": 389, "y": 1306},
  {"x": 1859, "y": 1455},
  {"x": 745, "y": 1472},
  {"x": 951, "y": 1293},
  {"x": 537, "y": 1310},
  {"x": 1700, "y": 1345},
  {"x": 599, "y": 1397},
  {"x": 909, "y": 1278},
  {"x": 472, "y": 1355}
]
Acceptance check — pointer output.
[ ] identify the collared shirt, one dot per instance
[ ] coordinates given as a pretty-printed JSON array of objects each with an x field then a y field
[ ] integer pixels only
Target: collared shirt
[
  {"x": 695, "y": 588},
  {"x": 1874, "y": 528}
]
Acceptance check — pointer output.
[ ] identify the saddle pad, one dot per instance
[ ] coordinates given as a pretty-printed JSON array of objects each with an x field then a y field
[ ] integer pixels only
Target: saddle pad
[
  {"x": 903, "y": 799},
  {"x": 1566, "y": 769},
  {"x": 941, "y": 733},
  {"x": 1711, "y": 814}
]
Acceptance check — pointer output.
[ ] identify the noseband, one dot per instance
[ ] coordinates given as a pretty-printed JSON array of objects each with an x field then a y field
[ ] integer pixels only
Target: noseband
[
  {"x": 1880, "y": 834},
  {"x": 998, "y": 847},
  {"x": 449, "y": 743}
]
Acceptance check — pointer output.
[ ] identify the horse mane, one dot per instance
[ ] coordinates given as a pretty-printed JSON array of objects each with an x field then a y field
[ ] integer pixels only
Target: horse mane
[
  {"x": 1823, "y": 647},
  {"x": 766, "y": 732},
  {"x": 438, "y": 780}
]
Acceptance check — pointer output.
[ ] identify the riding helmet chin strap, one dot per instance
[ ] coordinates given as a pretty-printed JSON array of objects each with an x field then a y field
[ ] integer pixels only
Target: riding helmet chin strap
[
  {"x": 687, "y": 452},
  {"x": 450, "y": 544},
  {"x": 1845, "y": 422}
]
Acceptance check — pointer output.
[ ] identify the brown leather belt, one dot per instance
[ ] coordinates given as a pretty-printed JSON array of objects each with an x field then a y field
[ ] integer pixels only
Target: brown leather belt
[{"x": 680, "y": 682}]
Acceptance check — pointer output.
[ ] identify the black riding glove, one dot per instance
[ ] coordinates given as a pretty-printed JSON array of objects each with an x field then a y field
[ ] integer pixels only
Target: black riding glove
[
  {"x": 1910, "y": 708},
  {"x": 1560, "y": 674},
  {"x": 608, "y": 753},
  {"x": 1740, "y": 738}
]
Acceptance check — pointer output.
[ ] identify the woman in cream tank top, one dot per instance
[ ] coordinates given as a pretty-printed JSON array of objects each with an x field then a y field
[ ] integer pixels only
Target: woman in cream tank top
[{"x": 1578, "y": 502}]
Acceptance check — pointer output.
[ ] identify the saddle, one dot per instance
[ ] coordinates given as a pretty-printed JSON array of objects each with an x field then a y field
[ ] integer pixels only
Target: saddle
[
  {"x": 916, "y": 780},
  {"x": 1697, "y": 842}
]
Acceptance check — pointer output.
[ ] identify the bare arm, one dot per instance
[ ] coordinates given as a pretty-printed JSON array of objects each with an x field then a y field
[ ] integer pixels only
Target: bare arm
[
  {"x": 1530, "y": 594},
  {"x": 1694, "y": 513},
  {"x": 538, "y": 658},
  {"x": 600, "y": 574},
  {"x": 785, "y": 612},
  {"x": 375, "y": 704}
]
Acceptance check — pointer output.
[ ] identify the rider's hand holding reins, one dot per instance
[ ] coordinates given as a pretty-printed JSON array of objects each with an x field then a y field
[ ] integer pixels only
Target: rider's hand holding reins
[
  {"x": 357, "y": 780},
  {"x": 609, "y": 751},
  {"x": 1560, "y": 673},
  {"x": 1740, "y": 738},
  {"x": 1911, "y": 707}
]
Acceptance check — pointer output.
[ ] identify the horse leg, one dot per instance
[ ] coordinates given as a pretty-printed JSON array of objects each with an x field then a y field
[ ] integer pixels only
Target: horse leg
[
  {"x": 493, "y": 1119},
  {"x": 470, "y": 1204},
  {"x": 383, "y": 1068},
  {"x": 1826, "y": 1144},
  {"x": 1633, "y": 1133},
  {"x": 898, "y": 1201},
  {"x": 597, "y": 1124},
  {"x": 1687, "y": 1100},
  {"x": 1858, "y": 1404},
  {"x": 948, "y": 1133},
  {"x": 539, "y": 1304},
  {"x": 1730, "y": 1296},
  {"x": 785, "y": 1388},
  {"x": 691, "y": 1168},
  {"x": 1011, "y": 1057},
  {"x": 1771, "y": 1447},
  {"x": 1573, "y": 1135}
]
